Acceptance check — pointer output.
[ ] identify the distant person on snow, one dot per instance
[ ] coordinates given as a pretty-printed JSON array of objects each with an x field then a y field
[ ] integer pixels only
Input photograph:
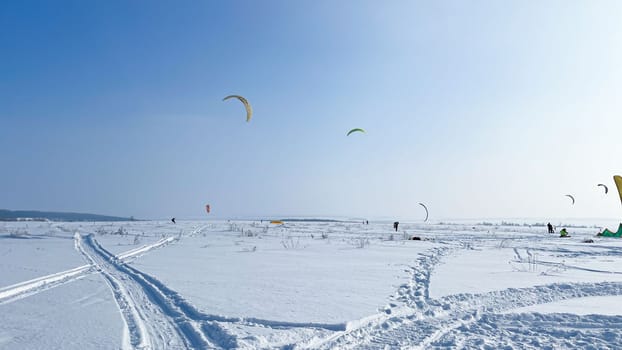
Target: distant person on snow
[
  {"x": 173, "y": 220},
  {"x": 395, "y": 224},
  {"x": 563, "y": 233},
  {"x": 550, "y": 228}
]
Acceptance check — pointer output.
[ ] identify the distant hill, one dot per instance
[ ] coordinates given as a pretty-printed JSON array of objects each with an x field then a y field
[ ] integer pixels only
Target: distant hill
[{"x": 18, "y": 215}]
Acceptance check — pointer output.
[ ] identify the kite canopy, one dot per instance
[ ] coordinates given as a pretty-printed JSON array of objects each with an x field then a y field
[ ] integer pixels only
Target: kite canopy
[
  {"x": 426, "y": 211},
  {"x": 606, "y": 189},
  {"x": 249, "y": 109},
  {"x": 355, "y": 130},
  {"x": 571, "y": 197},
  {"x": 618, "y": 180},
  {"x": 276, "y": 222},
  {"x": 607, "y": 233}
]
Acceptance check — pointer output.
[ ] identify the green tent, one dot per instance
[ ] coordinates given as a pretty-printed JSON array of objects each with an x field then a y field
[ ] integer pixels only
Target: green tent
[{"x": 607, "y": 233}]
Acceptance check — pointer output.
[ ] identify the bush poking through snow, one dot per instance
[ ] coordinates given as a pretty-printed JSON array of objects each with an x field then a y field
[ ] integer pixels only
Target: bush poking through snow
[
  {"x": 18, "y": 233},
  {"x": 466, "y": 245},
  {"x": 233, "y": 227},
  {"x": 532, "y": 260},
  {"x": 248, "y": 233},
  {"x": 360, "y": 242},
  {"x": 290, "y": 243}
]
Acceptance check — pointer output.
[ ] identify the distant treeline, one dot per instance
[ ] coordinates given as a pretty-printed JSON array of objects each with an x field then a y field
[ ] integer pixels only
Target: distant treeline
[{"x": 33, "y": 215}]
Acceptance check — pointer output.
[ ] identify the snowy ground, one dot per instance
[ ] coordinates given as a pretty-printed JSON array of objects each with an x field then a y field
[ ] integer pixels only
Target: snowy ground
[{"x": 307, "y": 285}]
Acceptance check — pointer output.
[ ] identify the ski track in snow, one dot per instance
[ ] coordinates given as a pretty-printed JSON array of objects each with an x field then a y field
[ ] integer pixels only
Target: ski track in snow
[
  {"x": 538, "y": 331},
  {"x": 410, "y": 303},
  {"x": 37, "y": 285},
  {"x": 156, "y": 317},
  {"x": 473, "y": 321},
  {"x": 24, "y": 289}
]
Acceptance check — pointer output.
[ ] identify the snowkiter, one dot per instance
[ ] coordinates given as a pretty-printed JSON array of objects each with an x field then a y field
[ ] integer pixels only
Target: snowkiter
[
  {"x": 395, "y": 224},
  {"x": 173, "y": 220},
  {"x": 550, "y": 228},
  {"x": 563, "y": 233}
]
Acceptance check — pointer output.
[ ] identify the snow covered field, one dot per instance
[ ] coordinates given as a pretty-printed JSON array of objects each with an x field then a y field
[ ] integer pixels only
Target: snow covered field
[{"x": 307, "y": 285}]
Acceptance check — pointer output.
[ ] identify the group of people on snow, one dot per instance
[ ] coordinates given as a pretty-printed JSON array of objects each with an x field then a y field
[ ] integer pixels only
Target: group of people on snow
[{"x": 562, "y": 232}]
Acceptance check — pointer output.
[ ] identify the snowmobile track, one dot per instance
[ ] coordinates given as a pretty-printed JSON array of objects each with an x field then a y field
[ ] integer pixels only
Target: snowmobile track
[
  {"x": 37, "y": 285},
  {"x": 432, "y": 323},
  {"x": 156, "y": 317}
]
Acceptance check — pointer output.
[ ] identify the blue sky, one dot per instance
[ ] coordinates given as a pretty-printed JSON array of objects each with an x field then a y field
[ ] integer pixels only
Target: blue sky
[{"x": 478, "y": 109}]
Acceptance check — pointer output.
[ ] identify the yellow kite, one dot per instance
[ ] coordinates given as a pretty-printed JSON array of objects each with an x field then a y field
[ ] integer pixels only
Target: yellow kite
[{"x": 249, "y": 109}]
